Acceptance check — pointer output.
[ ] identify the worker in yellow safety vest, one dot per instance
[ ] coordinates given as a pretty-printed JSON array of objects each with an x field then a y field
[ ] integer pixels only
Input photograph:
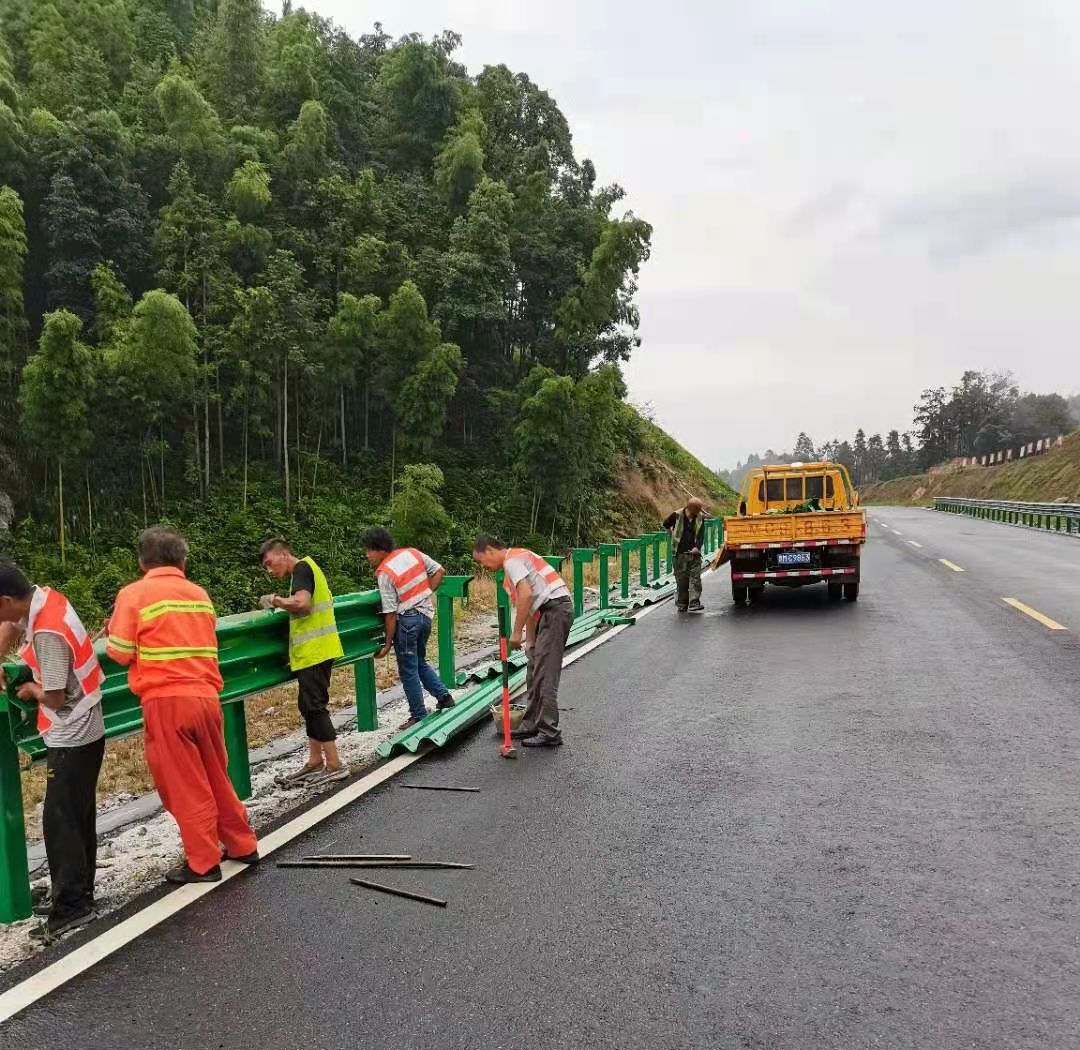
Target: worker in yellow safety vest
[{"x": 314, "y": 645}]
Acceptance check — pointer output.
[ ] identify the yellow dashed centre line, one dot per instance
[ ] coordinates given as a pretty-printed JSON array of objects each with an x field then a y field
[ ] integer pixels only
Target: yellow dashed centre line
[
  {"x": 915, "y": 543},
  {"x": 950, "y": 565},
  {"x": 1027, "y": 610}
]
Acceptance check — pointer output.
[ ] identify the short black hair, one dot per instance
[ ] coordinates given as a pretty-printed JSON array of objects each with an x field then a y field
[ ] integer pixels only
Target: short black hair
[
  {"x": 486, "y": 540},
  {"x": 377, "y": 539},
  {"x": 276, "y": 544},
  {"x": 160, "y": 546},
  {"x": 13, "y": 581}
]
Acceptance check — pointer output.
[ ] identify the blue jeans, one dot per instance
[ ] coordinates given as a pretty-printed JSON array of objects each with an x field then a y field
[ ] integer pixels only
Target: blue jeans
[{"x": 410, "y": 643}]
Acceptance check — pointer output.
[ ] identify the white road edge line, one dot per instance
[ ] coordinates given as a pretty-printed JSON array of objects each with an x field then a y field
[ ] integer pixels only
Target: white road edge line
[
  {"x": 950, "y": 565},
  {"x": 81, "y": 959},
  {"x": 915, "y": 543}
]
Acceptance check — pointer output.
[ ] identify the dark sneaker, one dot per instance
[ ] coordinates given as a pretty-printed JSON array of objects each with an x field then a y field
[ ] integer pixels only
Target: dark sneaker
[
  {"x": 539, "y": 740},
  {"x": 183, "y": 874},
  {"x": 247, "y": 858},
  {"x": 696, "y": 607},
  {"x": 56, "y": 926},
  {"x": 298, "y": 776},
  {"x": 43, "y": 908},
  {"x": 523, "y": 733},
  {"x": 411, "y": 721},
  {"x": 445, "y": 703},
  {"x": 680, "y": 608}
]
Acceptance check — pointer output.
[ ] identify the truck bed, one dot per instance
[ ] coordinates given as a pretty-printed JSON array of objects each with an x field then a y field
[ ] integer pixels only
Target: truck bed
[{"x": 814, "y": 528}]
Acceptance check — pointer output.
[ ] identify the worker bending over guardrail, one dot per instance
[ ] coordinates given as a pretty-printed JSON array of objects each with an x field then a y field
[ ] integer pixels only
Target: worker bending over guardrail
[
  {"x": 543, "y": 609},
  {"x": 66, "y": 686},
  {"x": 163, "y": 630},
  {"x": 407, "y": 579}
]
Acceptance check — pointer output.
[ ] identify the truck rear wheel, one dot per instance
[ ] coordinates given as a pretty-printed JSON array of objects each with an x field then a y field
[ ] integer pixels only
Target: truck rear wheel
[
  {"x": 851, "y": 592},
  {"x": 738, "y": 593},
  {"x": 836, "y": 590}
]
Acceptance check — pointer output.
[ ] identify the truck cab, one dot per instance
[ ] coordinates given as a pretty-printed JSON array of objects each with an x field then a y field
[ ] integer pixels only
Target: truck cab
[{"x": 798, "y": 524}]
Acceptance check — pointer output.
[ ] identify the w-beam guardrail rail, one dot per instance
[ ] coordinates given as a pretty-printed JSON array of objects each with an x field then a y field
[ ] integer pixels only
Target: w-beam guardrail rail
[
  {"x": 253, "y": 649},
  {"x": 1062, "y": 518}
]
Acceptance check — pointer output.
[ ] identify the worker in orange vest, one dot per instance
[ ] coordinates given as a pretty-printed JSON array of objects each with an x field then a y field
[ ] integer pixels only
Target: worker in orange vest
[
  {"x": 407, "y": 580},
  {"x": 544, "y": 613},
  {"x": 66, "y": 685},
  {"x": 163, "y": 629}
]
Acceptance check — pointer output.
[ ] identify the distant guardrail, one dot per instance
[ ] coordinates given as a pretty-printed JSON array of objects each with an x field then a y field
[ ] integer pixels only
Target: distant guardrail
[{"x": 1062, "y": 518}]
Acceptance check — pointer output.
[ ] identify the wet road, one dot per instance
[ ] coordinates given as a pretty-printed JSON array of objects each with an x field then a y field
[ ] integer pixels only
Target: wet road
[{"x": 783, "y": 827}]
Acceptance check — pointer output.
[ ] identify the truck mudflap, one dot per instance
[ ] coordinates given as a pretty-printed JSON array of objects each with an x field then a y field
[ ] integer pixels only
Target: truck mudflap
[{"x": 820, "y": 574}]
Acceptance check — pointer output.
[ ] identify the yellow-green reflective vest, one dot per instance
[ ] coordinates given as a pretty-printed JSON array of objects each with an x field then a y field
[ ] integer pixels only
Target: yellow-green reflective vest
[{"x": 314, "y": 638}]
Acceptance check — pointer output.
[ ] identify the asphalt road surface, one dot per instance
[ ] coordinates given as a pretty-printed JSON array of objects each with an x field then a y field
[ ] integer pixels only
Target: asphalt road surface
[{"x": 790, "y": 826}]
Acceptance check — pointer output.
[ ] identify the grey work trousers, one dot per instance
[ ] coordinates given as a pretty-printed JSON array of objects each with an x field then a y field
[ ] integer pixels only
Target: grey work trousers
[
  {"x": 687, "y": 579},
  {"x": 545, "y": 667}
]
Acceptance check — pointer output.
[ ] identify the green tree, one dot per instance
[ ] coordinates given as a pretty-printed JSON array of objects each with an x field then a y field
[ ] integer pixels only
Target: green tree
[
  {"x": 803, "y": 452},
  {"x": 233, "y": 69},
  {"x": 57, "y": 384},
  {"x": 12, "y": 317},
  {"x": 459, "y": 167},
  {"x": 351, "y": 350},
  {"x": 417, "y": 514}
]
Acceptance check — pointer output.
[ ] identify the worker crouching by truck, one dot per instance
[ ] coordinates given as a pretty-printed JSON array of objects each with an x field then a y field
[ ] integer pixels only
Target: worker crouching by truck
[
  {"x": 687, "y": 528},
  {"x": 163, "y": 629},
  {"x": 543, "y": 616}
]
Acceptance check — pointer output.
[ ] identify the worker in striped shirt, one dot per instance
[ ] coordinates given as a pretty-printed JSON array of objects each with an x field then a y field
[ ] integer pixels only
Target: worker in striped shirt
[
  {"x": 407, "y": 580},
  {"x": 163, "y": 629}
]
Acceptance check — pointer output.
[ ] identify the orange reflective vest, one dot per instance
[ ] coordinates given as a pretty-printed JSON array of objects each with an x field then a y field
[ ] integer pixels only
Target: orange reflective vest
[
  {"x": 537, "y": 564},
  {"x": 406, "y": 570},
  {"x": 52, "y": 613},
  {"x": 164, "y": 630}
]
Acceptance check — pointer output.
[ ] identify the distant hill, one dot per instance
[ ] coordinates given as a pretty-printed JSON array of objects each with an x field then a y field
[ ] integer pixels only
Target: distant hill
[{"x": 1054, "y": 475}]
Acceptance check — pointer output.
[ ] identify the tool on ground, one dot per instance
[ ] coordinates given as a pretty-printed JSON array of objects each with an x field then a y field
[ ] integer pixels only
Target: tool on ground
[
  {"x": 436, "y": 787},
  {"x": 415, "y": 864},
  {"x": 394, "y": 891},
  {"x": 359, "y": 856},
  {"x": 507, "y": 750}
]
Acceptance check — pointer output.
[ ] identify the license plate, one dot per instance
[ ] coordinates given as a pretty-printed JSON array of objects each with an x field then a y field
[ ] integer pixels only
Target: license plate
[{"x": 794, "y": 558}]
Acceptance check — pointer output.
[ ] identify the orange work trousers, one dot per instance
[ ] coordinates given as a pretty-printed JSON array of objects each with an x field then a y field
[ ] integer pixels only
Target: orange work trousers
[{"x": 185, "y": 750}]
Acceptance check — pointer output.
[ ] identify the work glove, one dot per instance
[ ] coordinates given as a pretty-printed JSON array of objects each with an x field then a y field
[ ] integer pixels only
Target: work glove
[{"x": 266, "y": 601}]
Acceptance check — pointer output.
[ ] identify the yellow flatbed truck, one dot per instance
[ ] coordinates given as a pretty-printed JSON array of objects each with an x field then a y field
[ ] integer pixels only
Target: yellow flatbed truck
[{"x": 798, "y": 524}]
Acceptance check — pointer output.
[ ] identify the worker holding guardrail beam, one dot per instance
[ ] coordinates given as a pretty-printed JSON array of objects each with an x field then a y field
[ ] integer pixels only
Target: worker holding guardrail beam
[
  {"x": 314, "y": 645},
  {"x": 544, "y": 614},
  {"x": 66, "y": 685},
  {"x": 687, "y": 528},
  {"x": 163, "y": 630},
  {"x": 407, "y": 581}
]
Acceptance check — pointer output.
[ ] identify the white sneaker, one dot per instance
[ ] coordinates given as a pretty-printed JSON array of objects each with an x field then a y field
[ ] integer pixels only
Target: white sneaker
[{"x": 328, "y": 776}]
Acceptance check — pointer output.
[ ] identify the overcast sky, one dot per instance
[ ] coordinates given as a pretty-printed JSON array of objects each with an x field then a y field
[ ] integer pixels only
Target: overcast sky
[{"x": 851, "y": 201}]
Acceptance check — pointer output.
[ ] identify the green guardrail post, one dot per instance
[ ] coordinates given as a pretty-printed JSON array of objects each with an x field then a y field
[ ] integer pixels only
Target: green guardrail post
[
  {"x": 367, "y": 710},
  {"x": 643, "y": 560},
  {"x": 581, "y": 556},
  {"x": 236, "y": 744},
  {"x": 607, "y": 551},
  {"x": 451, "y": 587},
  {"x": 626, "y": 548},
  {"x": 14, "y": 875},
  {"x": 657, "y": 539}
]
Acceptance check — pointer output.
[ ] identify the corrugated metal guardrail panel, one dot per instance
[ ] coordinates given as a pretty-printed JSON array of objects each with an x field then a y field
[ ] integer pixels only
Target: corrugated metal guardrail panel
[{"x": 1061, "y": 518}]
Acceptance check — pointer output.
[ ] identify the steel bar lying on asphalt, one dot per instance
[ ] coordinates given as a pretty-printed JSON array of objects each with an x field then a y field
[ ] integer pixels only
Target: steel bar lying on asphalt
[
  {"x": 382, "y": 888},
  {"x": 360, "y": 856},
  {"x": 436, "y": 787},
  {"x": 428, "y": 864}
]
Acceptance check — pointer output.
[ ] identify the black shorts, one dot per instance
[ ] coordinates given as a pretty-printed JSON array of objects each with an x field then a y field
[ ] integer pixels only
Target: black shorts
[{"x": 313, "y": 700}]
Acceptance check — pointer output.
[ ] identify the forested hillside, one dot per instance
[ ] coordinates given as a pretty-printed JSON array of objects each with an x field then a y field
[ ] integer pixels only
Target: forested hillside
[{"x": 257, "y": 276}]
